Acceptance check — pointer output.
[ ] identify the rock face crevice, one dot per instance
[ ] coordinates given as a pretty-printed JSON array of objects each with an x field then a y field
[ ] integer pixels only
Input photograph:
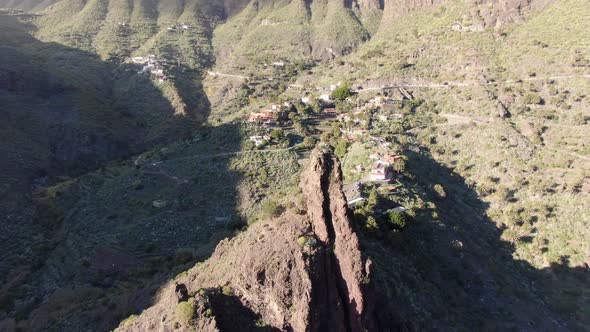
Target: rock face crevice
[{"x": 332, "y": 224}]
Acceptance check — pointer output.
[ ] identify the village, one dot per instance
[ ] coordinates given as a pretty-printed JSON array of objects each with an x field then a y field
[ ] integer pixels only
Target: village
[
  {"x": 152, "y": 66},
  {"x": 340, "y": 116}
]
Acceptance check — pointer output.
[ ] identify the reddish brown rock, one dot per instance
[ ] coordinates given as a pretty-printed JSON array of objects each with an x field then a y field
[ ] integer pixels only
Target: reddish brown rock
[
  {"x": 294, "y": 273},
  {"x": 331, "y": 222}
]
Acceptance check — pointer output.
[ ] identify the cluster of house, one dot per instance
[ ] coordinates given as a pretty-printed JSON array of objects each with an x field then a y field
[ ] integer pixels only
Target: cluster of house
[
  {"x": 174, "y": 28},
  {"x": 152, "y": 66},
  {"x": 268, "y": 117}
]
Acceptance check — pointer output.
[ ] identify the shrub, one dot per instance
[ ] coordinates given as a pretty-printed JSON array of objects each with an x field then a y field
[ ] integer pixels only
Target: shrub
[
  {"x": 342, "y": 92},
  {"x": 399, "y": 165},
  {"x": 440, "y": 191},
  {"x": 340, "y": 149},
  {"x": 396, "y": 220},
  {"x": 185, "y": 311},
  {"x": 307, "y": 241},
  {"x": 271, "y": 208},
  {"x": 277, "y": 134},
  {"x": 227, "y": 290},
  {"x": 128, "y": 321},
  {"x": 371, "y": 226},
  {"x": 309, "y": 142},
  {"x": 410, "y": 106},
  {"x": 532, "y": 98},
  {"x": 137, "y": 184}
]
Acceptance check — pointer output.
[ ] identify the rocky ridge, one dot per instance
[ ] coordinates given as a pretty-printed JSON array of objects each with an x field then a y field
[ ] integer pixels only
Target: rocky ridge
[{"x": 302, "y": 271}]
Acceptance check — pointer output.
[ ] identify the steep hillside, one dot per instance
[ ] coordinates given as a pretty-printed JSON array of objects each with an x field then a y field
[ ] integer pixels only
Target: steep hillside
[
  {"x": 143, "y": 223},
  {"x": 505, "y": 89},
  {"x": 316, "y": 267},
  {"x": 65, "y": 112},
  {"x": 297, "y": 29},
  {"x": 298, "y": 271},
  {"x": 27, "y": 5},
  {"x": 478, "y": 109}
]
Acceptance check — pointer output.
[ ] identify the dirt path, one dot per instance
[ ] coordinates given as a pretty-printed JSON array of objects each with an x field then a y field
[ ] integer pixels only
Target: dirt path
[
  {"x": 215, "y": 73},
  {"x": 432, "y": 85},
  {"x": 163, "y": 173},
  {"x": 456, "y": 119}
]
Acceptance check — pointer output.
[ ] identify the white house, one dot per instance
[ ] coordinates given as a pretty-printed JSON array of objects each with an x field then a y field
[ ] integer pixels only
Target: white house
[
  {"x": 353, "y": 202},
  {"x": 381, "y": 171},
  {"x": 138, "y": 59},
  {"x": 259, "y": 140}
]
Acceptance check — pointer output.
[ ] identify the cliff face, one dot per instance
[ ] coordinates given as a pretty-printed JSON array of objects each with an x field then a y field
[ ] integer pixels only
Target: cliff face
[
  {"x": 331, "y": 222},
  {"x": 297, "y": 272}
]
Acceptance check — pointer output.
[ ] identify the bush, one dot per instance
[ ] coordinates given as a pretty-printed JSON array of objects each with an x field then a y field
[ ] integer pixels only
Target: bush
[
  {"x": 411, "y": 105},
  {"x": 227, "y": 290},
  {"x": 128, "y": 321},
  {"x": 185, "y": 311},
  {"x": 271, "y": 208},
  {"x": 340, "y": 149},
  {"x": 399, "y": 165},
  {"x": 440, "y": 191},
  {"x": 532, "y": 99},
  {"x": 371, "y": 226},
  {"x": 277, "y": 134},
  {"x": 309, "y": 142},
  {"x": 309, "y": 241},
  {"x": 342, "y": 92},
  {"x": 397, "y": 220}
]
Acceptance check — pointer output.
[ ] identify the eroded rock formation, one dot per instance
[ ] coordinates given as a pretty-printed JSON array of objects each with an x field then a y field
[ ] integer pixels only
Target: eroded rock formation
[
  {"x": 297, "y": 272},
  {"x": 331, "y": 223}
]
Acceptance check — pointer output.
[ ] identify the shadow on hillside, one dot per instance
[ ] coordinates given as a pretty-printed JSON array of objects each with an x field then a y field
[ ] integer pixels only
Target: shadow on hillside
[
  {"x": 232, "y": 315},
  {"x": 94, "y": 250},
  {"x": 457, "y": 272}
]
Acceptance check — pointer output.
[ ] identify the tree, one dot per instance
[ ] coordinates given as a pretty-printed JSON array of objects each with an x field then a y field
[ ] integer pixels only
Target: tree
[
  {"x": 294, "y": 117},
  {"x": 371, "y": 226},
  {"x": 399, "y": 165},
  {"x": 340, "y": 149},
  {"x": 373, "y": 198},
  {"x": 277, "y": 134},
  {"x": 342, "y": 92},
  {"x": 397, "y": 220},
  {"x": 309, "y": 142}
]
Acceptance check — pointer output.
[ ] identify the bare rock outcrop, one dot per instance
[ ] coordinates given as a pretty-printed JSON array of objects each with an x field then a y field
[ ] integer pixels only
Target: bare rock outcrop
[
  {"x": 296, "y": 272},
  {"x": 331, "y": 222}
]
